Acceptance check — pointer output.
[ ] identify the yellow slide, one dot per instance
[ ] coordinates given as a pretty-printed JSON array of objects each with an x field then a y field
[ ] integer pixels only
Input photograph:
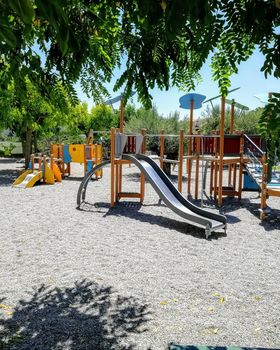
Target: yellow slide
[
  {"x": 49, "y": 176},
  {"x": 56, "y": 172},
  {"x": 28, "y": 179}
]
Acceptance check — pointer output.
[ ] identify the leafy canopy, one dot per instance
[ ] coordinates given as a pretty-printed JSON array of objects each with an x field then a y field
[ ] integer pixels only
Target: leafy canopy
[{"x": 164, "y": 42}]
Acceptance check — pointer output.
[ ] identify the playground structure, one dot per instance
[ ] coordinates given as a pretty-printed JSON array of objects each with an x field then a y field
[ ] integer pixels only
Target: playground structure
[
  {"x": 127, "y": 149},
  {"x": 58, "y": 165},
  {"x": 39, "y": 169},
  {"x": 87, "y": 154},
  {"x": 235, "y": 152}
]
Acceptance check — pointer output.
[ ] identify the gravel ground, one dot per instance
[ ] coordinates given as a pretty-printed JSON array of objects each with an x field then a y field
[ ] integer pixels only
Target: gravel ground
[{"x": 132, "y": 277}]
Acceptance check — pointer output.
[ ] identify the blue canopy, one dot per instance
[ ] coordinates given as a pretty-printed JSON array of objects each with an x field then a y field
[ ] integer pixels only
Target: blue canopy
[{"x": 185, "y": 101}]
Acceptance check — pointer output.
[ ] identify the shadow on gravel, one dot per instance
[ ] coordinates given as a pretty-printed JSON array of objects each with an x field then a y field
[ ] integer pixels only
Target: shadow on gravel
[
  {"x": 136, "y": 178},
  {"x": 271, "y": 223},
  {"x": 7, "y": 177},
  {"x": 8, "y": 160},
  {"x": 131, "y": 211},
  {"x": 196, "y": 347},
  {"x": 86, "y": 316},
  {"x": 74, "y": 178}
]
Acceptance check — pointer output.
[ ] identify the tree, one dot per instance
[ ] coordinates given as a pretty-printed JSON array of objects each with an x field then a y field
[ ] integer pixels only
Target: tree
[
  {"x": 30, "y": 116},
  {"x": 102, "y": 118},
  {"x": 163, "y": 42},
  {"x": 249, "y": 121},
  {"x": 270, "y": 128}
]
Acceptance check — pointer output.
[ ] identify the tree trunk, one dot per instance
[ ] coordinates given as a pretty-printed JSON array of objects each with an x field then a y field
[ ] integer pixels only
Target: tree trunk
[
  {"x": 35, "y": 142},
  {"x": 28, "y": 146}
]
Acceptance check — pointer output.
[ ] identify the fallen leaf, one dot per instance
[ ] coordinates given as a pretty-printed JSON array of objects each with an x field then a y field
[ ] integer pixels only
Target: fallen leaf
[
  {"x": 9, "y": 312},
  {"x": 257, "y": 298},
  {"x": 211, "y": 309},
  {"x": 164, "y": 302},
  {"x": 2, "y": 306},
  {"x": 175, "y": 300},
  {"x": 211, "y": 331},
  {"x": 222, "y": 300}
]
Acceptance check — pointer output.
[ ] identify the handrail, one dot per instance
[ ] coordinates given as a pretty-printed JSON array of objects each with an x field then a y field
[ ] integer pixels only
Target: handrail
[{"x": 254, "y": 145}]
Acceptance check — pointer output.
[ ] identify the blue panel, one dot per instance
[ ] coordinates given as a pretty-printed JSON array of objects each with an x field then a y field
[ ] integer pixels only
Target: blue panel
[
  {"x": 249, "y": 183},
  {"x": 185, "y": 101},
  {"x": 66, "y": 155},
  {"x": 89, "y": 166},
  {"x": 30, "y": 165}
]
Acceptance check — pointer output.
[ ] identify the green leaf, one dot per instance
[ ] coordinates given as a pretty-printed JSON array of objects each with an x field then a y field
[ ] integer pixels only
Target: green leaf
[
  {"x": 24, "y": 8},
  {"x": 8, "y": 36}
]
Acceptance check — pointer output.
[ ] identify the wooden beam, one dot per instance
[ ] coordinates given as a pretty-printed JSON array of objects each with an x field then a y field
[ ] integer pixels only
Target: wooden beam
[
  {"x": 232, "y": 117},
  {"x": 180, "y": 167},
  {"x": 142, "y": 177},
  {"x": 161, "y": 148},
  {"x": 221, "y": 153},
  {"x": 112, "y": 168}
]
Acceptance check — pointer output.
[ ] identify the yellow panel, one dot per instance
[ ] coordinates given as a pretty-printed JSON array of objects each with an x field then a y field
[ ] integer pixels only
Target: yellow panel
[
  {"x": 77, "y": 153},
  {"x": 99, "y": 151}
]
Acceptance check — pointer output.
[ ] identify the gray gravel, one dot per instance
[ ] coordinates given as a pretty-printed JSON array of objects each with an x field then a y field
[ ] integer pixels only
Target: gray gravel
[{"x": 132, "y": 277}]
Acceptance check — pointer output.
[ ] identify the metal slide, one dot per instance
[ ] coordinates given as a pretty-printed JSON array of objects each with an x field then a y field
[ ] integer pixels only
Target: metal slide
[{"x": 194, "y": 215}]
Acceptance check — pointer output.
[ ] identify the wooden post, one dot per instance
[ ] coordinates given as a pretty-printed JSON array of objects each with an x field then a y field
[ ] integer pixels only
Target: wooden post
[
  {"x": 52, "y": 161},
  {"x": 211, "y": 177},
  {"x": 142, "y": 178},
  {"x": 197, "y": 166},
  {"x": 232, "y": 117},
  {"x": 96, "y": 156},
  {"x": 32, "y": 162},
  {"x": 181, "y": 153},
  {"x": 44, "y": 167},
  {"x": 112, "y": 167},
  {"x": 85, "y": 159},
  {"x": 264, "y": 186},
  {"x": 241, "y": 165},
  {"x": 161, "y": 148},
  {"x": 213, "y": 167},
  {"x": 119, "y": 183},
  {"x": 189, "y": 160},
  {"x": 221, "y": 153},
  {"x": 231, "y": 131},
  {"x": 121, "y": 116},
  {"x": 229, "y": 174}
]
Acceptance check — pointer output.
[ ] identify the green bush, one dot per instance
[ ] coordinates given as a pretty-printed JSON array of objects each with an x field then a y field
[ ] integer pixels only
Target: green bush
[{"x": 7, "y": 150}]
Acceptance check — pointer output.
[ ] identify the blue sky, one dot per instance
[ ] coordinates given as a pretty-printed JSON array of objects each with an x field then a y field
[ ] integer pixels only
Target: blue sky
[{"x": 249, "y": 78}]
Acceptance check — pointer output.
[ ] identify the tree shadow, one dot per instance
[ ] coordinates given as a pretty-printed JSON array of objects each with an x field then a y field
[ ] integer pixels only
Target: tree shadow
[
  {"x": 8, "y": 160},
  {"x": 135, "y": 177},
  {"x": 8, "y": 176},
  {"x": 131, "y": 210},
  {"x": 271, "y": 223},
  {"x": 85, "y": 316},
  {"x": 196, "y": 347}
]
